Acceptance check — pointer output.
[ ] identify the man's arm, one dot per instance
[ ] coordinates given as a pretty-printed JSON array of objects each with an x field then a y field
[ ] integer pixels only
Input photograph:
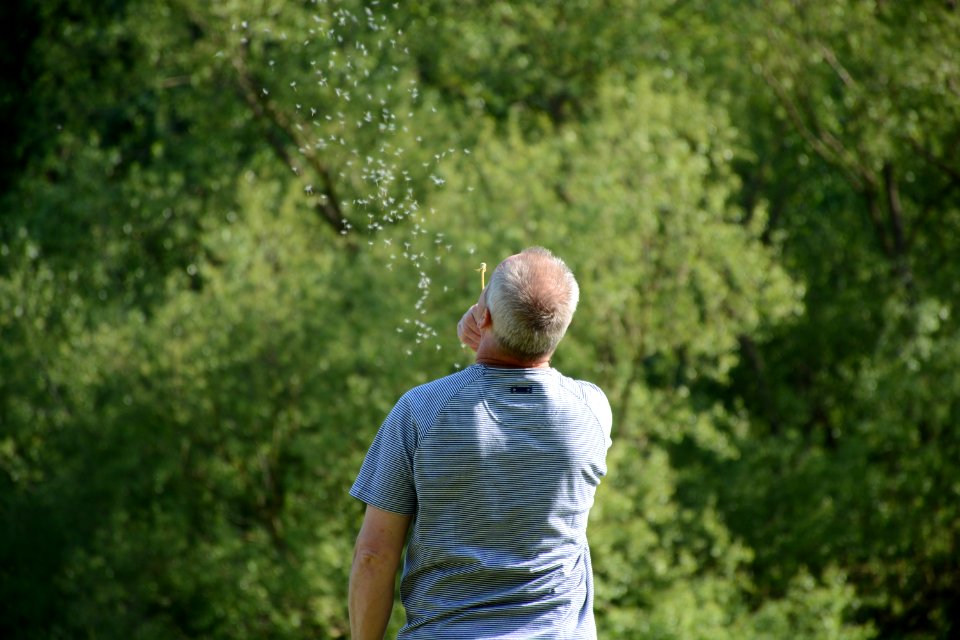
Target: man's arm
[{"x": 376, "y": 559}]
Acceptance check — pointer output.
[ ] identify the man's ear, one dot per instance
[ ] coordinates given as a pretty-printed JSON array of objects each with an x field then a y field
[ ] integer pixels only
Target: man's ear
[{"x": 487, "y": 320}]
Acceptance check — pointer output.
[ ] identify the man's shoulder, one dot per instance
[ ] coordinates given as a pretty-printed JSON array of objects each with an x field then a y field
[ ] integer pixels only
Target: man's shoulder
[
  {"x": 455, "y": 380},
  {"x": 594, "y": 398},
  {"x": 588, "y": 391},
  {"x": 438, "y": 391}
]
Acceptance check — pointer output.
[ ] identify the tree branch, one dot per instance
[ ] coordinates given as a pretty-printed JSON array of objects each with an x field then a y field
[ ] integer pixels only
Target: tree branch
[
  {"x": 876, "y": 219},
  {"x": 895, "y": 210},
  {"x": 838, "y": 68},
  {"x": 750, "y": 352},
  {"x": 939, "y": 163},
  {"x": 824, "y": 144},
  {"x": 281, "y": 136},
  {"x": 278, "y": 130}
]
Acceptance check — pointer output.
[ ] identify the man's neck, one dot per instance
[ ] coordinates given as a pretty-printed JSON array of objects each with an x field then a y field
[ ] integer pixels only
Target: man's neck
[{"x": 488, "y": 353}]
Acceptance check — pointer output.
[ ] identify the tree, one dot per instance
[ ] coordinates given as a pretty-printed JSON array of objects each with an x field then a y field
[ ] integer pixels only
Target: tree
[
  {"x": 234, "y": 234},
  {"x": 850, "y": 110}
]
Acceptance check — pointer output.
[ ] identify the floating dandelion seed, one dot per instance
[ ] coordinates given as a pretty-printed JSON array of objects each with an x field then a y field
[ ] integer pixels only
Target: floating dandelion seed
[{"x": 366, "y": 76}]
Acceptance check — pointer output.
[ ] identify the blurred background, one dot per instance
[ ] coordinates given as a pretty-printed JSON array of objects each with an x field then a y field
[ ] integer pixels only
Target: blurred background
[{"x": 233, "y": 233}]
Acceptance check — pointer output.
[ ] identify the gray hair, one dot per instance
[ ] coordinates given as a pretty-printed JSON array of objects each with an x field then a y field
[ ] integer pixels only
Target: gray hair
[{"x": 531, "y": 299}]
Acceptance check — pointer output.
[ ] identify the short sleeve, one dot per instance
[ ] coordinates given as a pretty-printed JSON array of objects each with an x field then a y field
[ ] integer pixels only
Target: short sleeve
[
  {"x": 600, "y": 406},
  {"x": 385, "y": 480}
]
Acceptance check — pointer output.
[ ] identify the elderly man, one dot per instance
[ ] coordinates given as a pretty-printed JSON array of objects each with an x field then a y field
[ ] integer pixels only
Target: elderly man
[{"x": 496, "y": 467}]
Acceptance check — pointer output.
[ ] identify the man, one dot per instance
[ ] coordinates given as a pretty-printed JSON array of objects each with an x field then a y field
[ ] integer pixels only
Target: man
[{"x": 496, "y": 467}]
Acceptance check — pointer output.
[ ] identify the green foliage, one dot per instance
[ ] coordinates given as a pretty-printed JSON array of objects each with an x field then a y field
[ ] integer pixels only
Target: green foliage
[
  {"x": 849, "y": 113},
  {"x": 234, "y": 234},
  {"x": 542, "y": 59}
]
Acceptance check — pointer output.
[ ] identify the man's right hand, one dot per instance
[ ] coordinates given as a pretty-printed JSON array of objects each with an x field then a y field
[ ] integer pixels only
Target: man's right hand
[{"x": 468, "y": 329}]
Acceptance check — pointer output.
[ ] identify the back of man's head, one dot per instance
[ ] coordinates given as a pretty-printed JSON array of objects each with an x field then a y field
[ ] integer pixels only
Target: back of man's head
[{"x": 531, "y": 297}]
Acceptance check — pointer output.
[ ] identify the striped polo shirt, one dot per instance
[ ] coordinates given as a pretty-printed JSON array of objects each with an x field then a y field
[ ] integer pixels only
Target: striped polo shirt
[{"x": 499, "y": 467}]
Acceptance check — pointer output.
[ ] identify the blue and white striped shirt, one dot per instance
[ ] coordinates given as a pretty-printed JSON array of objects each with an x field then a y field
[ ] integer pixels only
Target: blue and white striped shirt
[{"x": 499, "y": 468}]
